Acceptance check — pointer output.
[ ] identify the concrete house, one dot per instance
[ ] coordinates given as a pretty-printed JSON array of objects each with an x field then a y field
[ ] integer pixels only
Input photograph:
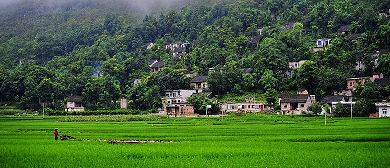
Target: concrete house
[
  {"x": 175, "y": 102},
  {"x": 377, "y": 77},
  {"x": 177, "y": 52},
  {"x": 321, "y": 44},
  {"x": 199, "y": 83},
  {"x": 352, "y": 82},
  {"x": 74, "y": 103},
  {"x": 244, "y": 107},
  {"x": 384, "y": 109},
  {"x": 294, "y": 65},
  {"x": 295, "y": 104},
  {"x": 331, "y": 101},
  {"x": 149, "y": 46},
  {"x": 137, "y": 81},
  {"x": 156, "y": 67}
]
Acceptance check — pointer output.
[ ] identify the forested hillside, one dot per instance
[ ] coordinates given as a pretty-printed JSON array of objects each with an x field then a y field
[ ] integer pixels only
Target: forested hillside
[{"x": 98, "y": 48}]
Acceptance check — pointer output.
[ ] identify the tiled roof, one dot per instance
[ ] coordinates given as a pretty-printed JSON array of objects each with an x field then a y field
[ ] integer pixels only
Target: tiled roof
[
  {"x": 180, "y": 50},
  {"x": 248, "y": 70},
  {"x": 344, "y": 28},
  {"x": 75, "y": 98},
  {"x": 199, "y": 79},
  {"x": 330, "y": 99},
  {"x": 299, "y": 98},
  {"x": 158, "y": 65},
  {"x": 382, "y": 81}
]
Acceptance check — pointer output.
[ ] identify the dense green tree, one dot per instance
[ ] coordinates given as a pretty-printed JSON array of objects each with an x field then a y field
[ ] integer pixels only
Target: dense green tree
[
  {"x": 200, "y": 102},
  {"x": 316, "y": 108},
  {"x": 384, "y": 64},
  {"x": 366, "y": 95},
  {"x": 142, "y": 97},
  {"x": 342, "y": 110},
  {"x": 306, "y": 77},
  {"x": 269, "y": 83},
  {"x": 168, "y": 79}
]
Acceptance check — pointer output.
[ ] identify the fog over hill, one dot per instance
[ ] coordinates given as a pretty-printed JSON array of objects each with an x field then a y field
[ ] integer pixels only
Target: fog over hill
[
  {"x": 141, "y": 6},
  {"x": 22, "y": 16}
]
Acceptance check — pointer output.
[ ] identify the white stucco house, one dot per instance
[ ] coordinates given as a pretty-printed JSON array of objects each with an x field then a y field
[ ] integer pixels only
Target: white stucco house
[{"x": 384, "y": 109}]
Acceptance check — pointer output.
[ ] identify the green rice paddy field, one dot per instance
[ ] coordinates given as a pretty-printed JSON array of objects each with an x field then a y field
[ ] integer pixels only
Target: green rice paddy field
[{"x": 234, "y": 141}]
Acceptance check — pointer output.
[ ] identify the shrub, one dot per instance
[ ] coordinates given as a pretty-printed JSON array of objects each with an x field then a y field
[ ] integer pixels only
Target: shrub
[{"x": 341, "y": 110}]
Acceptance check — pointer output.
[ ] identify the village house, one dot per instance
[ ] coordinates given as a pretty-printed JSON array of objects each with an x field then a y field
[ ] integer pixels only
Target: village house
[
  {"x": 347, "y": 94},
  {"x": 331, "y": 101},
  {"x": 384, "y": 109},
  {"x": 178, "y": 52},
  {"x": 376, "y": 78},
  {"x": 152, "y": 61},
  {"x": 244, "y": 107},
  {"x": 74, "y": 103},
  {"x": 296, "y": 104},
  {"x": 385, "y": 15},
  {"x": 352, "y": 82},
  {"x": 137, "y": 81},
  {"x": 321, "y": 44},
  {"x": 124, "y": 103},
  {"x": 250, "y": 105},
  {"x": 294, "y": 65},
  {"x": 173, "y": 46},
  {"x": 149, "y": 46},
  {"x": 199, "y": 83},
  {"x": 254, "y": 41},
  {"x": 156, "y": 67},
  {"x": 175, "y": 102}
]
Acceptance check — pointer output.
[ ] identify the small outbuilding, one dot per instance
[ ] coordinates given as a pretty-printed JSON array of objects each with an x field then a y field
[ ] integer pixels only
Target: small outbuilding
[{"x": 74, "y": 103}]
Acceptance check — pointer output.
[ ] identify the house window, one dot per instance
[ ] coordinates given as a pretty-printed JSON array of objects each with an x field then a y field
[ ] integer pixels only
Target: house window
[
  {"x": 178, "y": 92},
  {"x": 319, "y": 43},
  {"x": 204, "y": 85},
  {"x": 178, "y": 101},
  {"x": 350, "y": 83},
  {"x": 169, "y": 102},
  {"x": 302, "y": 105},
  {"x": 384, "y": 111},
  {"x": 285, "y": 106}
]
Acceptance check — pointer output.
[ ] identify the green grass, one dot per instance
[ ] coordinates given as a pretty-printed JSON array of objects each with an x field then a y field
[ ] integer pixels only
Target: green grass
[{"x": 246, "y": 141}]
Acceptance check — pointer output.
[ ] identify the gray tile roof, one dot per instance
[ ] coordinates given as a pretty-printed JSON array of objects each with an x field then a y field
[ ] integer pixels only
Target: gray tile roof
[{"x": 199, "y": 79}]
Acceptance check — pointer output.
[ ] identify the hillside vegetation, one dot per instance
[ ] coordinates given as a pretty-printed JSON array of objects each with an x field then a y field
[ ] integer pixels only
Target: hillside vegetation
[{"x": 97, "y": 48}]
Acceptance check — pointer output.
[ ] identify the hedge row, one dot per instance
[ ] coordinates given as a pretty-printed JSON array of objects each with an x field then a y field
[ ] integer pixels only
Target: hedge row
[
  {"x": 81, "y": 113},
  {"x": 98, "y": 112}
]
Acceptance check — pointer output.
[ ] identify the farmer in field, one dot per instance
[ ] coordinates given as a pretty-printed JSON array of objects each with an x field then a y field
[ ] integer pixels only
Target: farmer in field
[{"x": 56, "y": 134}]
